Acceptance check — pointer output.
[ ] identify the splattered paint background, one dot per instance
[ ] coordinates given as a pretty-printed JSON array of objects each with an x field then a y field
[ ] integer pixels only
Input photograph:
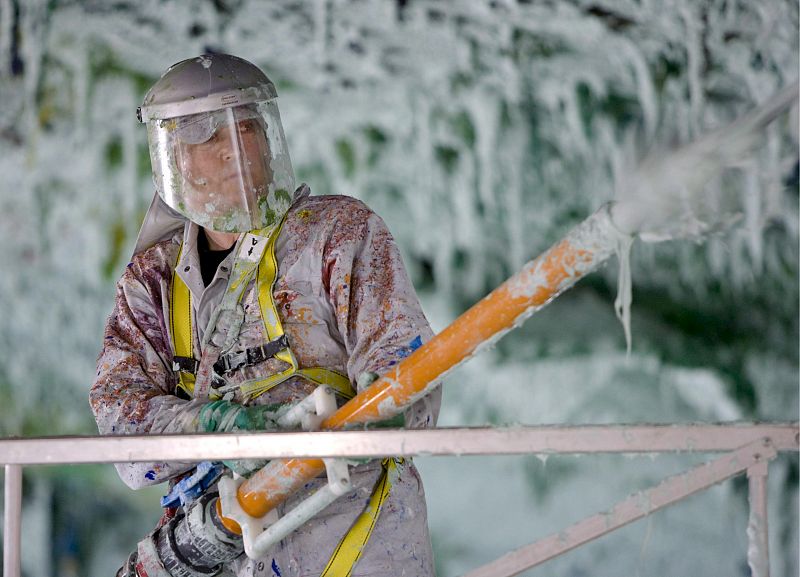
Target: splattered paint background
[{"x": 481, "y": 132}]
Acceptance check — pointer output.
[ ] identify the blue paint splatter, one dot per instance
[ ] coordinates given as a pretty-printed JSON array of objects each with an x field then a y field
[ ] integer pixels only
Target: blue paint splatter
[
  {"x": 412, "y": 346},
  {"x": 275, "y": 568},
  {"x": 150, "y": 475}
]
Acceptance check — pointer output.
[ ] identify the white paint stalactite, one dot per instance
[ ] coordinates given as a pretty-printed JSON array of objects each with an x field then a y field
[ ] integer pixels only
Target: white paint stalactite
[
  {"x": 321, "y": 8},
  {"x": 694, "y": 60},
  {"x": 622, "y": 304},
  {"x": 6, "y": 33}
]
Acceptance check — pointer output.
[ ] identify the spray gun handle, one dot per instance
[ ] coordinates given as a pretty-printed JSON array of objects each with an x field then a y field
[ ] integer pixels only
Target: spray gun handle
[{"x": 260, "y": 533}]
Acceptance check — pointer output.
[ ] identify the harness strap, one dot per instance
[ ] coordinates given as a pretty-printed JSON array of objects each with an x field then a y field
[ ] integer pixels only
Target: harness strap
[
  {"x": 182, "y": 333},
  {"x": 251, "y": 356},
  {"x": 317, "y": 375},
  {"x": 184, "y": 362},
  {"x": 267, "y": 276},
  {"x": 350, "y": 548}
]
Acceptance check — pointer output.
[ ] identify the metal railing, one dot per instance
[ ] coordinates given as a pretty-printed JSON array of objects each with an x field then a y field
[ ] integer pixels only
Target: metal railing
[{"x": 747, "y": 449}]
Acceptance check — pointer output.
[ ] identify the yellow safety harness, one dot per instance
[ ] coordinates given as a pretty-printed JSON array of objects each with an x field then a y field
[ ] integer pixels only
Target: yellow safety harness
[
  {"x": 350, "y": 548},
  {"x": 185, "y": 363}
]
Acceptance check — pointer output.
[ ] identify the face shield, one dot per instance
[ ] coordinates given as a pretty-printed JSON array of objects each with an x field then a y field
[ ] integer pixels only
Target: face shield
[{"x": 227, "y": 169}]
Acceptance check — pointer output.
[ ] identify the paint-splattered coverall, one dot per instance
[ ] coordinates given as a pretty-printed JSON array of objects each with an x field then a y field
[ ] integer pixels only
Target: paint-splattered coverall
[{"x": 346, "y": 304}]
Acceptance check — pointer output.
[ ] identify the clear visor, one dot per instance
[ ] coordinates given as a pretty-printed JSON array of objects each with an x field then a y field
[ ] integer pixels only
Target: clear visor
[{"x": 227, "y": 170}]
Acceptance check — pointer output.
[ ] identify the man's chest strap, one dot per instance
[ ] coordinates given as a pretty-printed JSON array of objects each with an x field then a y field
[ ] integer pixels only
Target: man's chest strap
[
  {"x": 185, "y": 361},
  {"x": 250, "y": 357}
]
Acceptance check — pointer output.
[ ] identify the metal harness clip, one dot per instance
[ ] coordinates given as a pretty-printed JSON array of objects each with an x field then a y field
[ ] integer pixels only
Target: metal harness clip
[
  {"x": 249, "y": 357},
  {"x": 185, "y": 364}
]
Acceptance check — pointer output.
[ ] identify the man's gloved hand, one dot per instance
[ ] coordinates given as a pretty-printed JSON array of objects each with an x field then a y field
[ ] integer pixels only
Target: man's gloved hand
[
  {"x": 226, "y": 416},
  {"x": 365, "y": 379}
]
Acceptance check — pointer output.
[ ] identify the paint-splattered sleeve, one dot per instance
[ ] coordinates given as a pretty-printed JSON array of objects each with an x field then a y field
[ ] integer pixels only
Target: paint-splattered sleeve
[
  {"x": 132, "y": 392},
  {"x": 375, "y": 305}
]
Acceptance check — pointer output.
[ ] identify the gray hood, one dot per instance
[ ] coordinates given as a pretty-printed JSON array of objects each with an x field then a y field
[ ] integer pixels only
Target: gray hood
[{"x": 161, "y": 222}]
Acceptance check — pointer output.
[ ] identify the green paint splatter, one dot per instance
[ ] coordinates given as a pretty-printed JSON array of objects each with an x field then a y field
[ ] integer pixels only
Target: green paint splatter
[
  {"x": 447, "y": 157},
  {"x": 282, "y": 195},
  {"x": 347, "y": 156},
  {"x": 113, "y": 153},
  {"x": 117, "y": 237},
  {"x": 464, "y": 128},
  {"x": 377, "y": 140}
]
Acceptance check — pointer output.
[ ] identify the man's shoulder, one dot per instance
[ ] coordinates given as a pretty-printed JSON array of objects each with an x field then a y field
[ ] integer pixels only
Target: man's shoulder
[
  {"x": 330, "y": 209},
  {"x": 330, "y": 203},
  {"x": 156, "y": 261}
]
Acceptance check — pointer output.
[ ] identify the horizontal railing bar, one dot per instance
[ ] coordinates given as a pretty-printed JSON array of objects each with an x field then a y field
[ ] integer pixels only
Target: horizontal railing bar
[{"x": 700, "y": 438}]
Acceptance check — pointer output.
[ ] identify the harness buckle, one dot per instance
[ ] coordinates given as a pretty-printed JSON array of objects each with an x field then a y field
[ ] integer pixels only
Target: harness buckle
[
  {"x": 233, "y": 361},
  {"x": 185, "y": 364},
  {"x": 249, "y": 357}
]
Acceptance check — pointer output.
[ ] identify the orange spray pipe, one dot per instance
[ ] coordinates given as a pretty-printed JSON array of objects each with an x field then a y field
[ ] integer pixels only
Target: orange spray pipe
[{"x": 540, "y": 281}]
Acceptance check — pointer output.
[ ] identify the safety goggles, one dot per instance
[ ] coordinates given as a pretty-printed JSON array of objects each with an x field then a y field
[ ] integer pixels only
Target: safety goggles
[{"x": 199, "y": 128}]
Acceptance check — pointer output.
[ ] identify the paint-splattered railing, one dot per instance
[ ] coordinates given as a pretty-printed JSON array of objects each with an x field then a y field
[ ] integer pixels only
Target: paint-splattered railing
[{"x": 747, "y": 449}]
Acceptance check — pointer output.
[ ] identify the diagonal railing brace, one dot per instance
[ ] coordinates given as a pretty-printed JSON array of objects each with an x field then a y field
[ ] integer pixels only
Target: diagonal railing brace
[{"x": 632, "y": 509}]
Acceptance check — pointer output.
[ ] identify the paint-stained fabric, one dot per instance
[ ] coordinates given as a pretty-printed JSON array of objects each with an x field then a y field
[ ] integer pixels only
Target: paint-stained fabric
[{"x": 346, "y": 304}]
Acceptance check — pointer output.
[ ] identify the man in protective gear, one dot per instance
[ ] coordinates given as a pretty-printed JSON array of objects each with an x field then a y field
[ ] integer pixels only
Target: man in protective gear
[{"x": 245, "y": 293}]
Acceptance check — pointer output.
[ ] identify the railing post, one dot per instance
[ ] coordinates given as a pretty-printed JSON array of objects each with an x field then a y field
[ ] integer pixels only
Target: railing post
[
  {"x": 757, "y": 536},
  {"x": 13, "y": 515}
]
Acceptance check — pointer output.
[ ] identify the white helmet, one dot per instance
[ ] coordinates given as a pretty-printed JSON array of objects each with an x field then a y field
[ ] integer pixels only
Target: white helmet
[{"x": 217, "y": 146}]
